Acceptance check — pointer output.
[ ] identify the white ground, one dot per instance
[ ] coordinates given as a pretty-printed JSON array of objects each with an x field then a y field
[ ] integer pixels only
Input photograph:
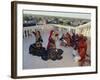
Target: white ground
[{"x": 33, "y": 62}]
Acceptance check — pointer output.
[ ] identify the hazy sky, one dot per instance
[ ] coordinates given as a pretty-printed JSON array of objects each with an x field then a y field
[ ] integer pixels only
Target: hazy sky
[{"x": 60, "y": 14}]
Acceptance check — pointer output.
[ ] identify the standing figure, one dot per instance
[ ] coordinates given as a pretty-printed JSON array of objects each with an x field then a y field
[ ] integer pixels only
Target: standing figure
[
  {"x": 53, "y": 52},
  {"x": 28, "y": 33},
  {"x": 63, "y": 40},
  {"x": 36, "y": 48},
  {"x": 25, "y": 34},
  {"x": 75, "y": 40},
  {"x": 82, "y": 49},
  {"x": 68, "y": 39},
  {"x": 38, "y": 36},
  {"x": 51, "y": 40}
]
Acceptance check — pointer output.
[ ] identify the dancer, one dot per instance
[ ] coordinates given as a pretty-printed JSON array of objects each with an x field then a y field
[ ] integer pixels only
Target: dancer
[
  {"x": 36, "y": 48},
  {"x": 75, "y": 40},
  {"x": 82, "y": 49},
  {"x": 63, "y": 40},
  {"x": 38, "y": 36},
  {"x": 66, "y": 39},
  {"x": 52, "y": 40},
  {"x": 53, "y": 52}
]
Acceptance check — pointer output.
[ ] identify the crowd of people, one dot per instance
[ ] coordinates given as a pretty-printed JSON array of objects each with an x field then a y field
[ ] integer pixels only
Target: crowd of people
[
  {"x": 77, "y": 41},
  {"x": 27, "y": 33},
  {"x": 79, "y": 44}
]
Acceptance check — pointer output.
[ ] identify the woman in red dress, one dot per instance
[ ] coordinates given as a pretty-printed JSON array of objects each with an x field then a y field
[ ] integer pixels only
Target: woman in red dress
[
  {"x": 53, "y": 52},
  {"x": 82, "y": 49},
  {"x": 51, "y": 41}
]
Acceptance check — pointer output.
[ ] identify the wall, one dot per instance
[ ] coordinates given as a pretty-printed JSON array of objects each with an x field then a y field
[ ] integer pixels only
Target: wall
[{"x": 5, "y": 40}]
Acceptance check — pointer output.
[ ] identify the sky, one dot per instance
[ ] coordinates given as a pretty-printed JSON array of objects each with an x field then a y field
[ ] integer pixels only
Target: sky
[{"x": 59, "y": 14}]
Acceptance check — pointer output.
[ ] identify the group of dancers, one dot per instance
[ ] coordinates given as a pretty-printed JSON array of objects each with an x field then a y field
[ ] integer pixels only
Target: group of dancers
[
  {"x": 51, "y": 52},
  {"x": 79, "y": 44},
  {"x": 77, "y": 41}
]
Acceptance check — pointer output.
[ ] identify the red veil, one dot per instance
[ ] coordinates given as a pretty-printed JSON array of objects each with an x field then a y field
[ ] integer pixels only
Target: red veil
[{"x": 49, "y": 39}]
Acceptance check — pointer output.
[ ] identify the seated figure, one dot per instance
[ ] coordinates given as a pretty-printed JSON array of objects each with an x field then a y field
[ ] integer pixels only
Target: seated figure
[{"x": 36, "y": 49}]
